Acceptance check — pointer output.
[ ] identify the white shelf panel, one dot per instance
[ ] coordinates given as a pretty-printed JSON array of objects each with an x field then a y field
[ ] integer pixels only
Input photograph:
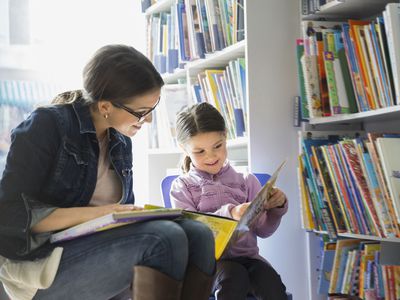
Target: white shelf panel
[
  {"x": 387, "y": 113},
  {"x": 350, "y": 8},
  {"x": 217, "y": 59},
  {"x": 240, "y": 142},
  {"x": 231, "y": 144},
  {"x": 162, "y": 5},
  {"x": 369, "y": 237},
  {"x": 163, "y": 151},
  {"x": 174, "y": 77}
]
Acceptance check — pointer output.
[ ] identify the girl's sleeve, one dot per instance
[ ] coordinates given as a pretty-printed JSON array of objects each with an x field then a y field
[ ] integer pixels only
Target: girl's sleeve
[
  {"x": 180, "y": 195},
  {"x": 34, "y": 145},
  {"x": 269, "y": 221}
]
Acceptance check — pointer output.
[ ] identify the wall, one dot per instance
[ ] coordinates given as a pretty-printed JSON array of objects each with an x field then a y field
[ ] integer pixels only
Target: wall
[{"x": 272, "y": 84}]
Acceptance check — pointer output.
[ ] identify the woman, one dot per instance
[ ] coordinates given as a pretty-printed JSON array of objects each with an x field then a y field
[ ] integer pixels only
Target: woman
[{"x": 72, "y": 162}]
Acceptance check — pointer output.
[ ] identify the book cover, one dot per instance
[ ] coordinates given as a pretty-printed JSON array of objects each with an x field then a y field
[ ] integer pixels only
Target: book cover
[
  {"x": 355, "y": 168},
  {"x": 256, "y": 208},
  {"x": 221, "y": 227},
  {"x": 113, "y": 220},
  {"x": 388, "y": 152},
  {"x": 324, "y": 277},
  {"x": 341, "y": 246}
]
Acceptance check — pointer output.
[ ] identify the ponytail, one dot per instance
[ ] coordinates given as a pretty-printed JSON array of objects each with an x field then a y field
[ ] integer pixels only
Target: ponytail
[
  {"x": 67, "y": 97},
  {"x": 185, "y": 166}
]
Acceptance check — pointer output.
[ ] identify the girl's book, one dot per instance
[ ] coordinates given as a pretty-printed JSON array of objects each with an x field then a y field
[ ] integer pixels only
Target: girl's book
[
  {"x": 113, "y": 220},
  {"x": 256, "y": 208}
]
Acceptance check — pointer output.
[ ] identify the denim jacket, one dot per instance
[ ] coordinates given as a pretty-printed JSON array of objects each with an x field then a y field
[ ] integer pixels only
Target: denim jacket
[{"x": 52, "y": 163}]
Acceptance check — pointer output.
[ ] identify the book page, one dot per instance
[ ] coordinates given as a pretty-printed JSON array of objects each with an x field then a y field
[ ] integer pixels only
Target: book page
[{"x": 257, "y": 205}]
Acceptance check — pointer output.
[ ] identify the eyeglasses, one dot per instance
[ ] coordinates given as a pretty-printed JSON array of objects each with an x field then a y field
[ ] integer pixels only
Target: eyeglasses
[{"x": 140, "y": 116}]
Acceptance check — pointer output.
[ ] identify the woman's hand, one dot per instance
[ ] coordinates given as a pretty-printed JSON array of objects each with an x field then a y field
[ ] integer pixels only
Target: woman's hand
[
  {"x": 98, "y": 211},
  {"x": 276, "y": 199},
  {"x": 239, "y": 210},
  {"x": 66, "y": 217}
]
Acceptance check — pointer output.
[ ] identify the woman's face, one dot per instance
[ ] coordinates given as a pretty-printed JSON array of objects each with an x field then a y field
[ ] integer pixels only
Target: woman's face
[{"x": 125, "y": 118}]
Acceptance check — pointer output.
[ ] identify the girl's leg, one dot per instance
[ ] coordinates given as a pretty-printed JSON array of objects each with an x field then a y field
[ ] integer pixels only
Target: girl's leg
[
  {"x": 265, "y": 282},
  {"x": 231, "y": 281},
  {"x": 100, "y": 266}
]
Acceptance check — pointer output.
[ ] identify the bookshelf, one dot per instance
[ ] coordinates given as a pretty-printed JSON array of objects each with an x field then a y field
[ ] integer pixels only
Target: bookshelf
[
  {"x": 270, "y": 28},
  {"x": 384, "y": 119}
]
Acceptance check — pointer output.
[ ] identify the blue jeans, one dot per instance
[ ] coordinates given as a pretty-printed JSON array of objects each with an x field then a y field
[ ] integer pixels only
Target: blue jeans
[{"x": 100, "y": 266}]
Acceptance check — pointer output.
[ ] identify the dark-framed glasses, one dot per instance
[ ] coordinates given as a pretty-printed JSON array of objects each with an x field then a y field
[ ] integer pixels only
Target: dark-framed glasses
[{"x": 139, "y": 115}]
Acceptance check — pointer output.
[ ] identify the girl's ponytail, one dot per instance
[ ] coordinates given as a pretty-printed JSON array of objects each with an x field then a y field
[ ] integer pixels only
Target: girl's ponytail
[{"x": 186, "y": 164}]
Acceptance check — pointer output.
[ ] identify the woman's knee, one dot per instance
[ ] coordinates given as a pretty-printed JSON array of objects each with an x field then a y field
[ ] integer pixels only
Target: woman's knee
[
  {"x": 168, "y": 251},
  {"x": 201, "y": 244}
]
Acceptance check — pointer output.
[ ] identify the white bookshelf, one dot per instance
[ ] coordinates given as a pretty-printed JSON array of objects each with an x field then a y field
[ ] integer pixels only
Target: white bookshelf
[
  {"x": 270, "y": 32},
  {"x": 379, "y": 120},
  {"x": 159, "y": 6},
  {"x": 343, "y": 9},
  {"x": 382, "y": 114}
]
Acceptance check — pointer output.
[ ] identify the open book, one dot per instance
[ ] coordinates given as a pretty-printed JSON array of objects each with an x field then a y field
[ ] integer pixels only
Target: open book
[
  {"x": 256, "y": 208},
  {"x": 226, "y": 230},
  {"x": 113, "y": 220}
]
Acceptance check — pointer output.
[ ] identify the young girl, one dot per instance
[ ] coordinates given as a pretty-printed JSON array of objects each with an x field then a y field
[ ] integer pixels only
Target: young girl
[{"x": 210, "y": 184}]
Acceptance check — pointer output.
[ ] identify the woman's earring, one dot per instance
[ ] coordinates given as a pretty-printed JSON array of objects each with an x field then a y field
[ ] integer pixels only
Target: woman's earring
[{"x": 105, "y": 116}]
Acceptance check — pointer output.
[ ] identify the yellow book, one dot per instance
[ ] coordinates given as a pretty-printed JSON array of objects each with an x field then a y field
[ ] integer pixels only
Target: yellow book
[
  {"x": 368, "y": 254},
  {"x": 306, "y": 213},
  {"x": 221, "y": 227},
  {"x": 213, "y": 87}
]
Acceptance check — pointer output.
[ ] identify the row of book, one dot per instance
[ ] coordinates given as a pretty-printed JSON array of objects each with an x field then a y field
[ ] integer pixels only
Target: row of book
[
  {"x": 191, "y": 30},
  {"x": 353, "y": 268},
  {"x": 351, "y": 184},
  {"x": 224, "y": 88},
  {"x": 348, "y": 67}
]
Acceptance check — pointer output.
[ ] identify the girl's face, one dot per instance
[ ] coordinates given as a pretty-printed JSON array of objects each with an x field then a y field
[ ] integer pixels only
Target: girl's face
[
  {"x": 207, "y": 151},
  {"x": 123, "y": 120}
]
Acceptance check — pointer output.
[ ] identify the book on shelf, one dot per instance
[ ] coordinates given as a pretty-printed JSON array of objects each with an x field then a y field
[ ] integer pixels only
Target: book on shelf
[
  {"x": 113, "y": 220},
  {"x": 174, "y": 98},
  {"x": 388, "y": 150},
  {"x": 325, "y": 270}
]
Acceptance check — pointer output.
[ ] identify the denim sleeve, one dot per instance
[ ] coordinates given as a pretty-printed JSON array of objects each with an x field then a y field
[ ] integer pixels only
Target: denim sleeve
[
  {"x": 39, "y": 214},
  {"x": 34, "y": 146}
]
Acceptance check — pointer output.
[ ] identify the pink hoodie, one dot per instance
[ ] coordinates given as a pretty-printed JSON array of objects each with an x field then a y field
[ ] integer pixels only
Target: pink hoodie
[{"x": 218, "y": 194}]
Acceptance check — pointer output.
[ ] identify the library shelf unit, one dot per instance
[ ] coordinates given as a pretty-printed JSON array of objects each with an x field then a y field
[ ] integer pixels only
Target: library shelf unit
[
  {"x": 379, "y": 120},
  {"x": 270, "y": 29},
  {"x": 339, "y": 9},
  {"x": 159, "y": 159}
]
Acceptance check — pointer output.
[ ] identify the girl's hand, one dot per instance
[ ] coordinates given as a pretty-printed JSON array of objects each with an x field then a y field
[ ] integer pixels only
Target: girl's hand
[
  {"x": 276, "y": 199},
  {"x": 239, "y": 210}
]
